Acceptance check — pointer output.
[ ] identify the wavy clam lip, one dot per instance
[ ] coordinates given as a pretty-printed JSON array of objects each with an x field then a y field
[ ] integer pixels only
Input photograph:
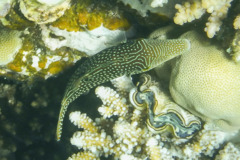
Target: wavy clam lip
[
  {"x": 43, "y": 12},
  {"x": 170, "y": 118}
]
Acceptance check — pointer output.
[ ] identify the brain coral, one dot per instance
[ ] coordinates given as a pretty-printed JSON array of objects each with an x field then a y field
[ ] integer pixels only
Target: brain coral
[
  {"x": 10, "y": 45},
  {"x": 207, "y": 83}
]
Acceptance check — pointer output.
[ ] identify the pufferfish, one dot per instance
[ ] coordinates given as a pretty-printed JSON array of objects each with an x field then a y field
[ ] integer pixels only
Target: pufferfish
[{"x": 132, "y": 57}]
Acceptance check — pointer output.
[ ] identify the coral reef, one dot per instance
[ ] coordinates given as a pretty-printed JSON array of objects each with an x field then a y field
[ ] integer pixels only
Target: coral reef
[
  {"x": 123, "y": 133},
  {"x": 41, "y": 38},
  {"x": 223, "y": 16},
  {"x": 56, "y": 46}
]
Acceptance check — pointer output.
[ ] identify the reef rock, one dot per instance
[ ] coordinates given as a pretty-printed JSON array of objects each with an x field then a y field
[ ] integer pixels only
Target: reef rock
[{"x": 41, "y": 11}]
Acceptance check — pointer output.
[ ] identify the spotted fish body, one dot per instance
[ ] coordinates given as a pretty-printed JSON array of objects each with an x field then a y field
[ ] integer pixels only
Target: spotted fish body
[{"x": 133, "y": 57}]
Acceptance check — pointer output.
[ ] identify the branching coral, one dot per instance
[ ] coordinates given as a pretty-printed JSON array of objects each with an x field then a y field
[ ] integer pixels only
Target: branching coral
[
  {"x": 118, "y": 137},
  {"x": 84, "y": 156},
  {"x": 188, "y": 12},
  {"x": 230, "y": 151},
  {"x": 26, "y": 131},
  {"x": 158, "y": 3},
  {"x": 206, "y": 142},
  {"x": 218, "y": 10},
  {"x": 108, "y": 109}
]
